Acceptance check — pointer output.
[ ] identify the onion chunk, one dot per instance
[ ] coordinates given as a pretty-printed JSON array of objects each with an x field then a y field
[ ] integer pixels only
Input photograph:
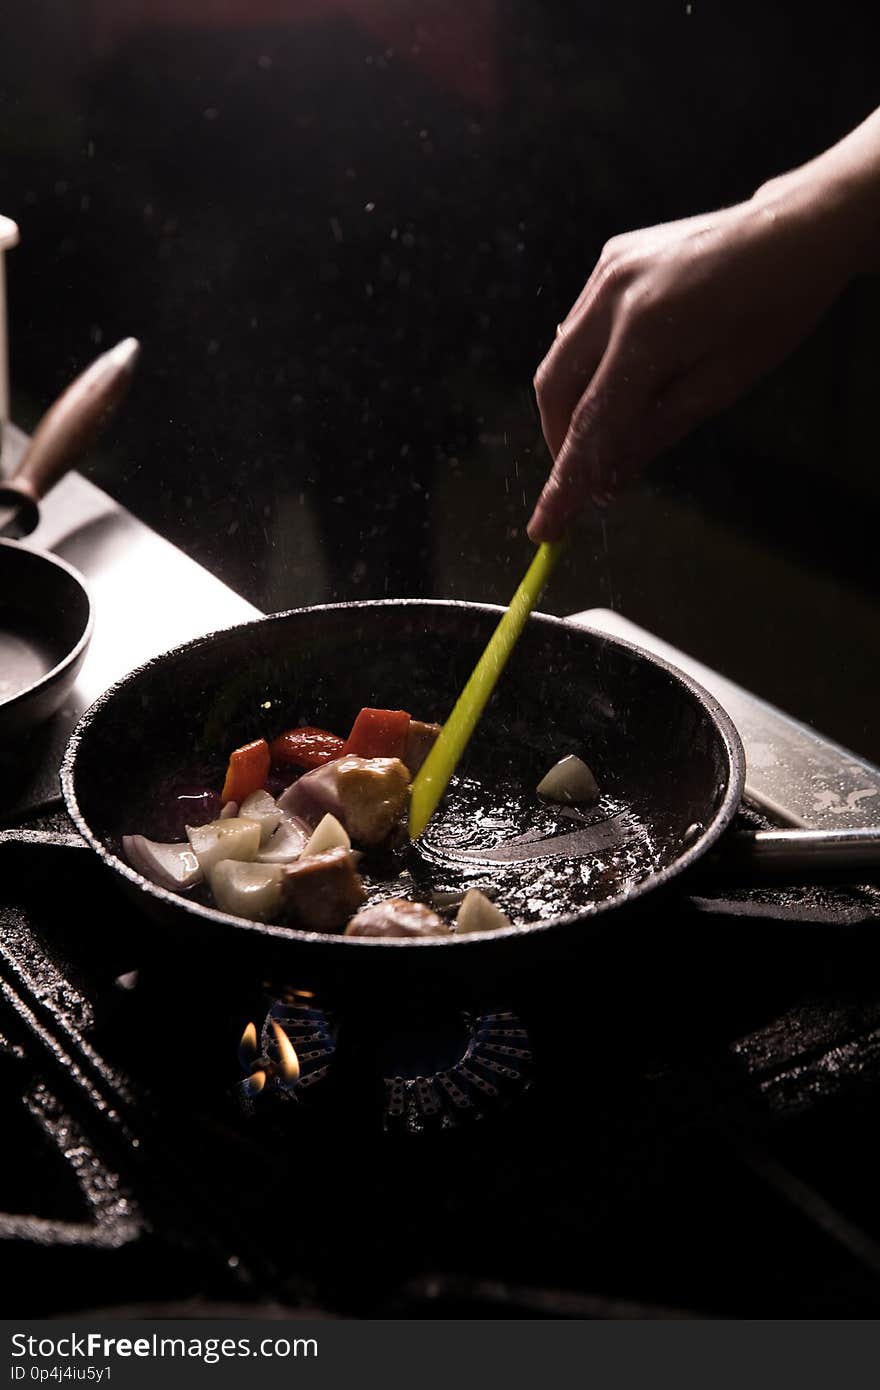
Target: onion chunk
[
  {"x": 328, "y": 834},
  {"x": 286, "y": 843},
  {"x": 168, "y": 866},
  {"x": 569, "y": 780},
  {"x": 247, "y": 890},
  {"x": 262, "y": 808},
  {"x": 236, "y": 837},
  {"x": 478, "y": 914}
]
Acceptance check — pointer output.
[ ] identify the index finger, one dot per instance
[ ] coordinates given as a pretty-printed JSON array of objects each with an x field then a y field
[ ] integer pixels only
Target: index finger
[
  {"x": 569, "y": 366},
  {"x": 603, "y": 445}
]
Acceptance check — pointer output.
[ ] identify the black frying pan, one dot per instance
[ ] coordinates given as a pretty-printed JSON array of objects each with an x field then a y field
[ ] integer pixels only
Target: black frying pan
[
  {"x": 45, "y": 611},
  {"x": 45, "y": 626},
  {"x": 660, "y": 746}
]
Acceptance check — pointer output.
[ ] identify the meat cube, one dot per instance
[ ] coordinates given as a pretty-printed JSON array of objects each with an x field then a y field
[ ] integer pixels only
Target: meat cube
[
  {"x": 322, "y": 891},
  {"x": 373, "y": 795},
  {"x": 420, "y": 740},
  {"x": 397, "y": 917}
]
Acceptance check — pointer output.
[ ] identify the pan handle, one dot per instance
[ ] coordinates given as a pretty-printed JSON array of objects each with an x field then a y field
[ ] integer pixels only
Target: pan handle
[
  {"x": 794, "y": 856},
  {"x": 67, "y": 429}
]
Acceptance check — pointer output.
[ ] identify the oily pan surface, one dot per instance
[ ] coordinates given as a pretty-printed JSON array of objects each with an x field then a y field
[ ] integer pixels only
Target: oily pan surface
[{"x": 657, "y": 753}]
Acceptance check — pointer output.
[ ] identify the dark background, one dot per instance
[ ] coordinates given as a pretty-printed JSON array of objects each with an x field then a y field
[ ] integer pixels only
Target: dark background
[{"x": 344, "y": 232}]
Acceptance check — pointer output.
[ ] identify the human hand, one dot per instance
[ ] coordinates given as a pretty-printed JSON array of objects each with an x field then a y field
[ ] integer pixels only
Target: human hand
[{"x": 674, "y": 324}]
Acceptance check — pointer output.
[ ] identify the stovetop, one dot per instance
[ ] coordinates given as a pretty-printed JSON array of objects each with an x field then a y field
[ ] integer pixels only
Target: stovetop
[
  {"x": 693, "y": 1133},
  {"x": 685, "y": 1128}
]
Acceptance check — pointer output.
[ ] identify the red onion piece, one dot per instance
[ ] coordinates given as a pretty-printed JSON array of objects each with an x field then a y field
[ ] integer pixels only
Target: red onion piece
[
  {"x": 174, "y": 867},
  {"x": 311, "y": 796}
]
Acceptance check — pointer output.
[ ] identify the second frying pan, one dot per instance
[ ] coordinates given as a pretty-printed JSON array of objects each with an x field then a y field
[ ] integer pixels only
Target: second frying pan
[
  {"x": 45, "y": 610},
  {"x": 45, "y": 626}
]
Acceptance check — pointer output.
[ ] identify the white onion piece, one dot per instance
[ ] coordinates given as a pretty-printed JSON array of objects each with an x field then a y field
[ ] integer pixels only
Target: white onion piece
[
  {"x": 477, "y": 914},
  {"x": 286, "y": 844},
  {"x": 262, "y": 808},
  {"x": 230, "y": 809},
  {"x": 169, "y": 866},
  {"x": 247, "y": 890},
  {"x": 232, "y": 838},
  {"x": 328, "y": 834},
  {"x": 569, "y": 780}
]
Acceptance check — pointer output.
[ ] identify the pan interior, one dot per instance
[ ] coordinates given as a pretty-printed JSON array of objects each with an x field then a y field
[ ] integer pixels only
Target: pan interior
[
  {"x": 24, "y": 659},
  {"x": 654, "y": 746},
  {"x": 534, "y": 859},
  {"x": 43, "y": 615}
]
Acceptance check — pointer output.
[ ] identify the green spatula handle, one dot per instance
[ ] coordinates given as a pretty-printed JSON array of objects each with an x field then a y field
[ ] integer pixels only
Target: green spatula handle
[{"x": 433, "y": 778}]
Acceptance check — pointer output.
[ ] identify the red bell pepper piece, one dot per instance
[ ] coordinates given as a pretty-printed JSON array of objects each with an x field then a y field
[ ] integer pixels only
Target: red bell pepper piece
[
  {"x": 247, "y": 771},
  {"x": 305, "y": 748},
  {"x": 379, "y": 733}
]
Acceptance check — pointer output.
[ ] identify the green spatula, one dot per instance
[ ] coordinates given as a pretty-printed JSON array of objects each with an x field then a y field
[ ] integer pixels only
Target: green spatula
[{"x": 433, "y": 778}]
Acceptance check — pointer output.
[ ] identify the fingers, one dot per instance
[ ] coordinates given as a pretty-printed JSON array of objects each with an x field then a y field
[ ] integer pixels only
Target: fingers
[
  {"x": 598, "y": 451},
  {"x": 623, "y": 422},
  {"x": 656, "y": 342},
  {"x": 566, "y": 371},
  {"x": 561, "y": 379}
]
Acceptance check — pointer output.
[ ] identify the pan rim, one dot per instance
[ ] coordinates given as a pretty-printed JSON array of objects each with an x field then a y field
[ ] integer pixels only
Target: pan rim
[
  {"x": 726, "y": 810},
  {"x": 75, "y": 652}
]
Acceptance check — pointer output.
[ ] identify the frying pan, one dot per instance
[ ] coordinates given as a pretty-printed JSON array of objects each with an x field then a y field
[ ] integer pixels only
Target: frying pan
[
  {"x": 657, "y": 742},
  {"x": 45, "y": 610}
]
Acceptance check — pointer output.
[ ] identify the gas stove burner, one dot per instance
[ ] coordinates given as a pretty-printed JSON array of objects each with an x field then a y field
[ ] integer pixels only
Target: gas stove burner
[
  {"x": 310, "y": 1029},
  {"x": 294, "y": 1051},
  {"x": 426, "y": 1074},
  {"x": 494, "y": 1066}
]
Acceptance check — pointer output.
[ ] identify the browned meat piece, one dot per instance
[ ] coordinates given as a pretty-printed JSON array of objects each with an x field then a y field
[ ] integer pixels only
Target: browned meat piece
[
  {"x": 419, "y": 741},
  {"x": 321, "y": 892},
  {"x": 397, "y": 917},
  {"x": 373, "y": 794}
]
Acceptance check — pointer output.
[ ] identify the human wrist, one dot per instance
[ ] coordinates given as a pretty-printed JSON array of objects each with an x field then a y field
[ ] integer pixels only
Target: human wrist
[
  {"x": 839, "y": 192},
  {"x": 852, "y": 180}
]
